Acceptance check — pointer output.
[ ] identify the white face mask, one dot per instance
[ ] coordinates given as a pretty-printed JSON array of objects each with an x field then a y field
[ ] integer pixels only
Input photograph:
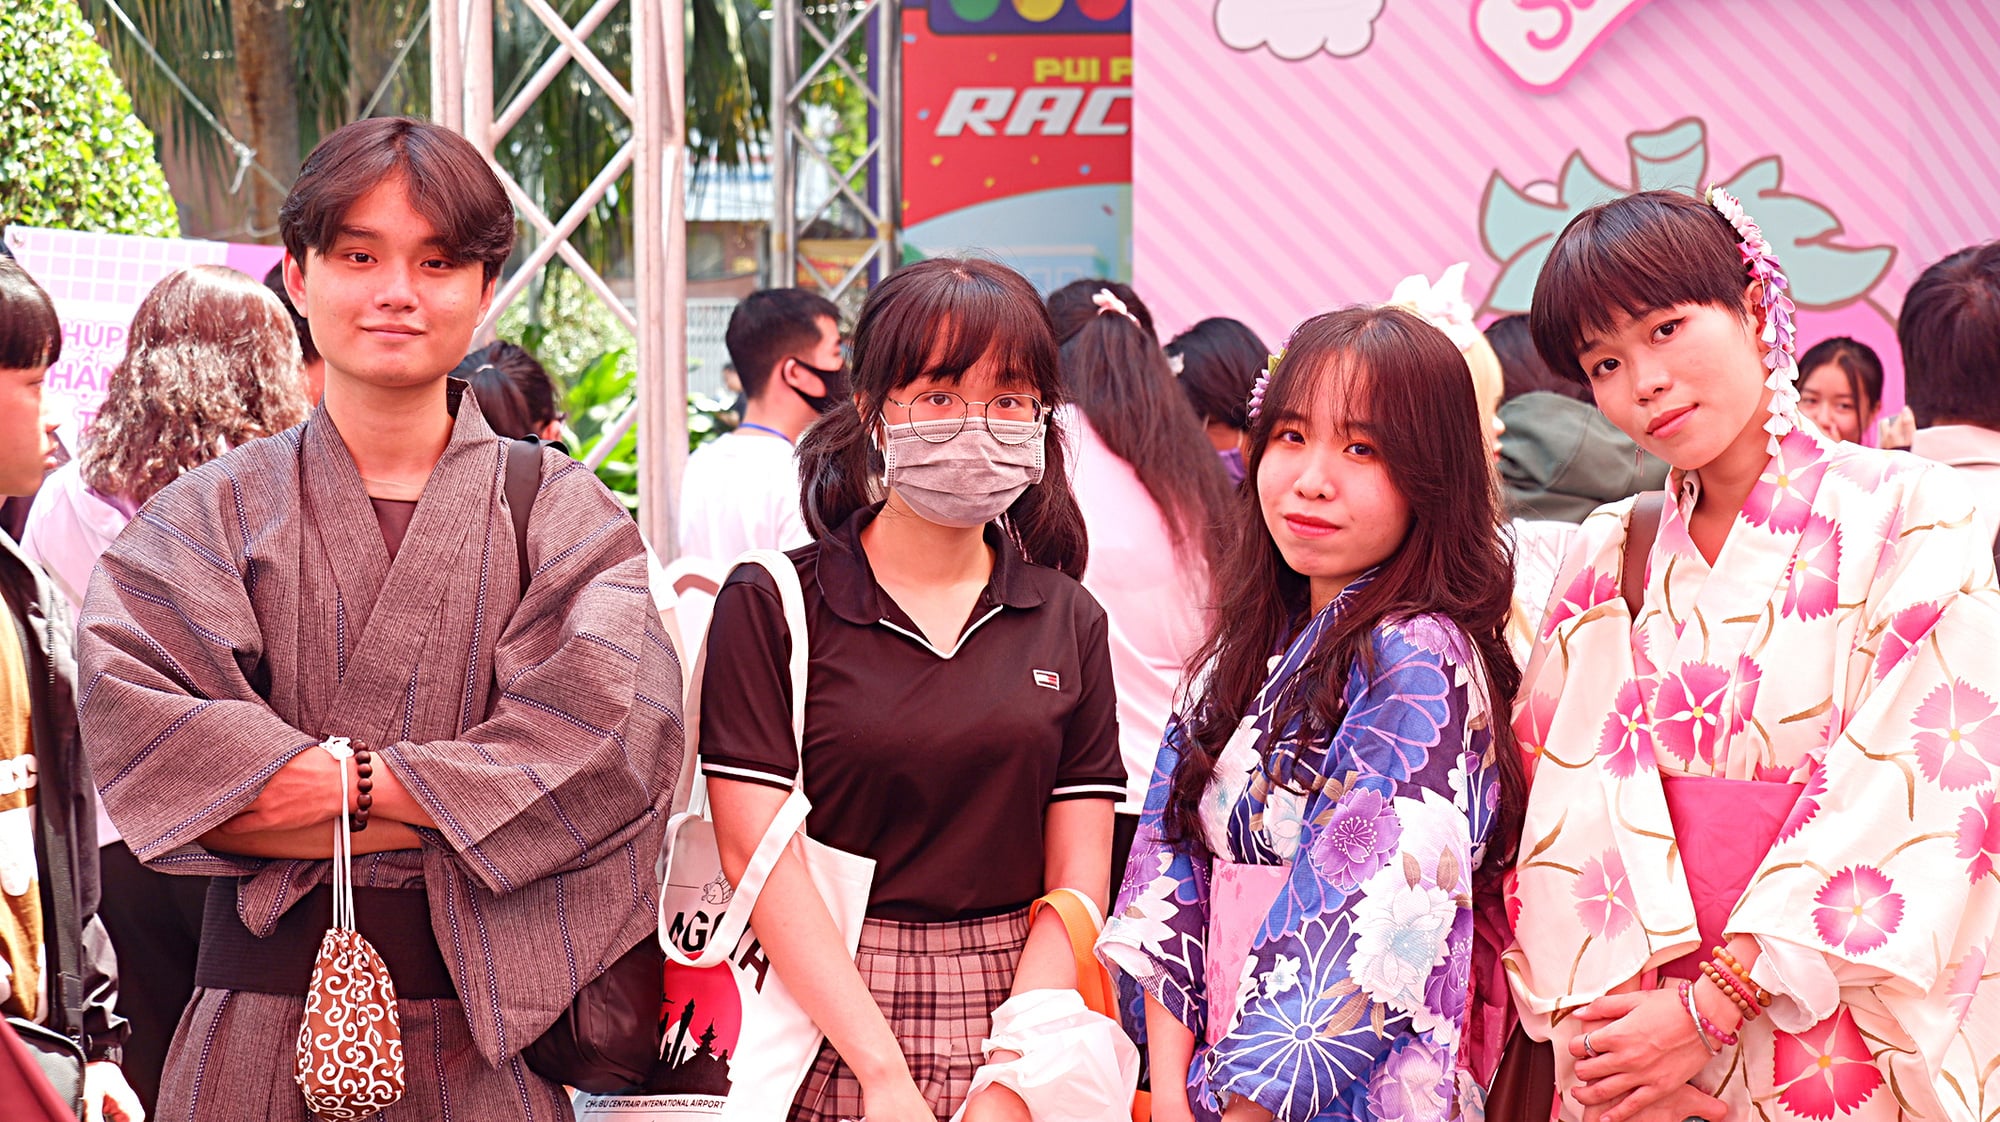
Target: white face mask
[{"x": 968, "y": 480}]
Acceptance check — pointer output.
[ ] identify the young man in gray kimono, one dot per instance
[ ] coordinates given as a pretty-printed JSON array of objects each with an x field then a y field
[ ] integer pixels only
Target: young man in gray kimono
[{"x": 357, "y": 577}]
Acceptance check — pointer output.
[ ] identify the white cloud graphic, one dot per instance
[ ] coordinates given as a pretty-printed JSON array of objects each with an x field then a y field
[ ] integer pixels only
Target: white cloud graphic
[{"x": 1298, "y": 29}]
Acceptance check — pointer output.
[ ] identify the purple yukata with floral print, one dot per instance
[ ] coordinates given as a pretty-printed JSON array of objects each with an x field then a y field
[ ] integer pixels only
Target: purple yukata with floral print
[{"x": 1352, "y": 1000}]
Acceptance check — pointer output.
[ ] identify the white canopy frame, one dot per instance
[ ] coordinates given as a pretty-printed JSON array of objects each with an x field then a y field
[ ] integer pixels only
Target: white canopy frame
[{"x": 462, "y": 99}]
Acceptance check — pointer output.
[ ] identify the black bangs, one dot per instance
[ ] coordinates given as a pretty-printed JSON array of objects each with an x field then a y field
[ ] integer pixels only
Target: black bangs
[
  {"x": 1635, "y": 255},
  {"x": 30, "y": 334},
  {"x": 937, "y": 320}
]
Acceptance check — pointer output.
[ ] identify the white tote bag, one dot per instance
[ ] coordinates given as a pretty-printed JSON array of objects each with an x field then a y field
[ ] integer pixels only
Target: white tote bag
[{"x": 736, "y": 1044}]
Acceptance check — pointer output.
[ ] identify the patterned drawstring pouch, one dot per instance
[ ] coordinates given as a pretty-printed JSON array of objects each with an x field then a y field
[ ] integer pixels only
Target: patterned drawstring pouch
[{"x": 350, "y": 1061}]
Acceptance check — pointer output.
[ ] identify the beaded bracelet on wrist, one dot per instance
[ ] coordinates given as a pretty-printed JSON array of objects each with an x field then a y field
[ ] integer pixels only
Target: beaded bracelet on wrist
[
  {"x": 1757, "y": 992},
  {"x": 1720, "y": 980},
  {"x": 1712, "y": 1035},
  {"x": 364, "y": 771}
]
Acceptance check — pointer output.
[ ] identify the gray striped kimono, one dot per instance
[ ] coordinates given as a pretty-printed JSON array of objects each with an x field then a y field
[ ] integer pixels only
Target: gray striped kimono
[{"x": 252, "y": 609}]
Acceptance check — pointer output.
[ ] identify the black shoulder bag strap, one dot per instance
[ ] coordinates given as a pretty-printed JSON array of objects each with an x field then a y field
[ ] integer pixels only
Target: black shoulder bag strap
[
  {"x": 60, "y": 1053},
  {"x": 1640, "y": 533},
  {"x": 524, "y": 480}
]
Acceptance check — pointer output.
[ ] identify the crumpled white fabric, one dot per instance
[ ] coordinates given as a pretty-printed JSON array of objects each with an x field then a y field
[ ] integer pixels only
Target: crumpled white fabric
[{"x": 1075, "y": 1065}]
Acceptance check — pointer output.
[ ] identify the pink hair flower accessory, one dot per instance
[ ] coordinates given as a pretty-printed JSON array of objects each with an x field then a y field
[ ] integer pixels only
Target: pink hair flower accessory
[
  {"x": 1263, "y": 383},
  {"x": 1108, "y": 302},
  {"x": 1780, "y": 335}
]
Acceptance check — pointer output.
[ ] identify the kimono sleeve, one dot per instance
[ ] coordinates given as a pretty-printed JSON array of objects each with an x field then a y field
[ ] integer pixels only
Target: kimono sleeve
[
  {"x": 579, "y": 755},
  {"x": 178, "y": 737},
  {"x": 1362, "y": 967},
  {"x": 1884, "y": 875},
  {"x": 1154, "y": 934}
]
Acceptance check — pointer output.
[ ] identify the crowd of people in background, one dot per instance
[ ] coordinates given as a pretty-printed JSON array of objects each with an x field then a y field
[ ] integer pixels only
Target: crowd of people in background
[{"x": 1592, "y": 716}]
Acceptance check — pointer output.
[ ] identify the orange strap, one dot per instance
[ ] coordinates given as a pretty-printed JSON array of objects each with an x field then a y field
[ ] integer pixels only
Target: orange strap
[{"x": 1093, "y": 982}]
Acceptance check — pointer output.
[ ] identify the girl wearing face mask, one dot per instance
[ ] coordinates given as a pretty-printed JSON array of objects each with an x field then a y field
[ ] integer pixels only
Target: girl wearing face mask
[
  {"x": 1757, "y": 873},
  {"x": 1336, "y": 792},
  {"x": 960, "y": 729}
]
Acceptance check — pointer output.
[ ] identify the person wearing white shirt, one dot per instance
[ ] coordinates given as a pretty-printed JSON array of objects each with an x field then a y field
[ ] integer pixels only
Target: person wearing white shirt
[
  {"x": 1950, "y": 335},
  {"x": 741, "y": 490}
]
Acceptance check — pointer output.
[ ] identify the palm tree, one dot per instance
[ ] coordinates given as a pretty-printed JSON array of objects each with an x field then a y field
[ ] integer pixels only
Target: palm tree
[{"x": 282, "y": 73}]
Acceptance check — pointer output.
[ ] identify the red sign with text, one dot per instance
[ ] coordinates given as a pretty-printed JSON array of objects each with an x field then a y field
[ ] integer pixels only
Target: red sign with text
[{"x": 990, "y": 116}]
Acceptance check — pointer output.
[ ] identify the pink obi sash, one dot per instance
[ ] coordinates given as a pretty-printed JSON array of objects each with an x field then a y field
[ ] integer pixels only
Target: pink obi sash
[
  {"x": 1239, "y": 900},
  {"x": 1724, "y": 828}
]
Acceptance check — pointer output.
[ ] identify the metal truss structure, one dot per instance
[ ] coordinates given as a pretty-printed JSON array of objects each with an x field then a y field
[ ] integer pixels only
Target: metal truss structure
[
  {"x": 462, "y": 99},
  {"x": 864, "y": 201}
]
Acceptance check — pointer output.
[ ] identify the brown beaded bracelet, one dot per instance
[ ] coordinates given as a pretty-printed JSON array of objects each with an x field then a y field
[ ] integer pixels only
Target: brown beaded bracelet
[
  {"x": 364, "y": 770},
  {"x": 1756, "y": 991},
  {"x": 1718, "y": 978}
]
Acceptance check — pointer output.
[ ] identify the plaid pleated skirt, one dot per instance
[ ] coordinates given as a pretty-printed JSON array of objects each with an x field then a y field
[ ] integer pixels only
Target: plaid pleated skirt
[{"x": 938, "y": 984}]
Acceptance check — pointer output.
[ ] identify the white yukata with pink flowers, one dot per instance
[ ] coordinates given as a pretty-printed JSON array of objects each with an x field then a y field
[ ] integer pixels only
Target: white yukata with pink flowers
[{"x": 1847, "y": 639}]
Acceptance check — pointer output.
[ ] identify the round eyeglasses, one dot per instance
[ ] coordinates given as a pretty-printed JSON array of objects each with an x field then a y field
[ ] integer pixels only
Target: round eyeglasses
[{"x": 1012, "y": 418}]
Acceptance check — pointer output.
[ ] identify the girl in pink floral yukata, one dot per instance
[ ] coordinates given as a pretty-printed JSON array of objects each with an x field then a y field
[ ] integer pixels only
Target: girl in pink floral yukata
[{"x": 1757, "y": 878}]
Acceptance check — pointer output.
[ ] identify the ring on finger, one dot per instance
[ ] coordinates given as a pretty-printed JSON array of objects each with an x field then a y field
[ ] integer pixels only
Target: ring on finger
[{"x": 1588, "y": 1051}]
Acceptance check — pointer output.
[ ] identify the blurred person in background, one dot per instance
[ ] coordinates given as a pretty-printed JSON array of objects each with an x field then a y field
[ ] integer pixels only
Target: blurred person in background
[
  {"x": 314, "y": 365},
  {"x": 211, "y": 362},
  {"x": 1216, "y": 362},
  {"x": 1950, "y": 335},
  {"x": 515, "y": 393},
  {"x": 741, "y": 490},
  {"x": 1155, "y": 502},
  {"x": 1840, "y": 390}
]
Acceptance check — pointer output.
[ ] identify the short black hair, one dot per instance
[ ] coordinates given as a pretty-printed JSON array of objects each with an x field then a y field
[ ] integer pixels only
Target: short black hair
[
  {"x": 1856, "y": 360},
  {"x": 1636, "y": 255},
  {"x": 30, "y": 334},
  {"x": 1522, "y": 369},
  {"x": 1950, "y": 334},
  {"x": 275, "y": 281},
  {"x": 771, "y": 325}
]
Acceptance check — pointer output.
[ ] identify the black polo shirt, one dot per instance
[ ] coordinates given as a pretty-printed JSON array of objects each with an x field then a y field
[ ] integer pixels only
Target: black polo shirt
[{"x": 939, "y": 764}]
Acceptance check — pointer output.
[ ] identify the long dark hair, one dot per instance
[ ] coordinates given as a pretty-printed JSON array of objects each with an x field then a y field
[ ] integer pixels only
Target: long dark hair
[
  {"x": 1220, "y": 360},
  {"x": 1119, "y": 377},
  {"x": 1071, "y": 306},
  {"x": 938, "y": 318},
  {"x": 1415, "y": 389}
]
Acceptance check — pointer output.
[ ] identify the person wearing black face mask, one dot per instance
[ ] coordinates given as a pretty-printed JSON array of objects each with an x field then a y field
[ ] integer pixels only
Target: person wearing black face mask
[{"x": 741, "y": 490}]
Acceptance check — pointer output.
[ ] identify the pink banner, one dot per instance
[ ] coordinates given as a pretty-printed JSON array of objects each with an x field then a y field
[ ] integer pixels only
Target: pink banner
[
  {"x": 1291, "y": 156},
  {"x": 97, "y": 282}
]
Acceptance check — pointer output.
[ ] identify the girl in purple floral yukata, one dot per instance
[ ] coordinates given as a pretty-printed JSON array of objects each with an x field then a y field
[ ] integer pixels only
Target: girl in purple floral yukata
[
  {"x": 1757, "y": 877},
  {"x": 1298, "y": 904}
]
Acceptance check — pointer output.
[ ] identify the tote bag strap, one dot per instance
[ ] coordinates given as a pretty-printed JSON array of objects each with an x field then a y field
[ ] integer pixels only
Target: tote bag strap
[
  {"x": 1081, "y": 922},
  {"x": 1640, "y": 533},
  {"x": 791, "y": 815}
]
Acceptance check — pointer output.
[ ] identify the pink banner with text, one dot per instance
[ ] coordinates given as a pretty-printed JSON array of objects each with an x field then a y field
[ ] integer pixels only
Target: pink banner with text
[{"x": 97, "y": 282}]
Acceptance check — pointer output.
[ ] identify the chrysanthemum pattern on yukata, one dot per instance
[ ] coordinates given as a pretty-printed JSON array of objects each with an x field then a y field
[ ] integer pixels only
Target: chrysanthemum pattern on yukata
[{"x": 1353, "y": 998}]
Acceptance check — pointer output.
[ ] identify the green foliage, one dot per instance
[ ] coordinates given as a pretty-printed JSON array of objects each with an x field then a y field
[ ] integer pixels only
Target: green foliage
[
  {"x": 566, "y": 326},
  {"x": 72, "y": 155},
  {"x": 601, "y": 394}
]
